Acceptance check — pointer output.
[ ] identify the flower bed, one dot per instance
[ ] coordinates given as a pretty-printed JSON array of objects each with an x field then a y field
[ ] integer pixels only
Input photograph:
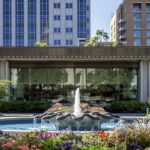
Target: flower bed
[{"x": 135, "y": 137}]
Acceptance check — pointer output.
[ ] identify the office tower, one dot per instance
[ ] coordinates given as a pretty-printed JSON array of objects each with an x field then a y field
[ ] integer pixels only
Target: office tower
[{"x": 56, "y": 22}]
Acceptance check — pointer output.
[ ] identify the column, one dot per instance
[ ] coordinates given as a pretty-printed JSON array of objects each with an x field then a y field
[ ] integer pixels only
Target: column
[
  {"x": 1, "y": 23},
  {"x": 144, "y": 84},
  {"x": 26, "y": 23},
  {"x": 38, "y": 21},
  {"x": 13, "y": 21},
  {"x": 4, "y": 73},
  {"x": 4, "y": 70}
]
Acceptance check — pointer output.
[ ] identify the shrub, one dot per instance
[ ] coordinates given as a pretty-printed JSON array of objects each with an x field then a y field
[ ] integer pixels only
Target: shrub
[
  {"x": 24, "y": 106},
  {"x": 3, "y": 88},
  {"x": 127, "y": 107}
]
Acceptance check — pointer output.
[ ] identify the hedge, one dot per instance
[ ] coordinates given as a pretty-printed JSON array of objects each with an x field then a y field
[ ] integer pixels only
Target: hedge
[
  {"x": 127, "y": 107},
  {"x": 24, "y": 106}
]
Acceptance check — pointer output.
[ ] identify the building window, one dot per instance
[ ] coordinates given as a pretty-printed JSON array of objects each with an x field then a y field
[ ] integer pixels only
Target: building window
[
  {"x": 148, "y": 42},
  {"x": 147, "y": 6},
  {"x": 148, "y": 33},
  {"x": 69, "y": 5},
  {"x": 148, "y": 25},
  {"x": 44, "y": 21},
  {"x": 137, "y": 7},
  {"x": 57, "y": 30},
  {"x": 137, "y": 33},
  {"x": 122, "y": 82},
  {"x": 148, "y": 16},
  {"x": 57, "y": 5},
  {"x": 31, "y": 22},
  {"x": 69, "y": 30},
  {"x": 82, "y": 18},
  {"x": 137, "y": 42},
  {"x": 69, "y": 42},
  {"x": 56, "y": 17},
  {"x": 57, "y": 42},
  {"x": 137, "y": 25},
  {"x": 137, "y": 16},
  {"x": 68, "y": 17},
  {"x": 19, "y": 22},
  {"x": 7, "y": 23}
]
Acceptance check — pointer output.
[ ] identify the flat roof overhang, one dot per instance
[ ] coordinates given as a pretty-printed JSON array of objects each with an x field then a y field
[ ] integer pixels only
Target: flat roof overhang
[{"x": 75, "y": 54}]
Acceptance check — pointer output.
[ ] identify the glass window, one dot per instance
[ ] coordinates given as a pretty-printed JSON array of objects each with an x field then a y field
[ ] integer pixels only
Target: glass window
[
  {"x": 148, "y": 33},
  {"x": 115, "y": 83},
  {"x": 57, "y": 42},
  {"x": 69, "y": 42},
  {"x": 68, "y": 17},
  {"x": 137, "y": 25},
  {"x": 148, "y": 42},
  {"x": 57, "y": 5},
  {"x": 69, "y": 5},
  {"x": 137, "y": 7},
  {"x": 137, "y": 16},
  {"x": 80, "y": 77},
  {"x": 57, "y": 17},
  {"x": 147, "y": 6},
  {"x": 69, "y": 30},
  {"x": 57, "y": 30},
  {"x": 137, "y": 42},
  {"x": 148, "y": 25},
  {"x": 148, "y": 16},
  {"x": 137, "y": 33}
]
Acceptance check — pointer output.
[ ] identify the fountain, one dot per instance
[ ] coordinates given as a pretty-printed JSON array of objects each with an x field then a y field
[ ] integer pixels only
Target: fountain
[
  {"x": 77, "y": 108},
  {"x": 80, "y": 117}
]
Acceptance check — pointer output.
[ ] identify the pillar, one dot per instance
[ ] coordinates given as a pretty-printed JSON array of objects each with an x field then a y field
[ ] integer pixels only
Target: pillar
[{"x": 144, "y": 81}]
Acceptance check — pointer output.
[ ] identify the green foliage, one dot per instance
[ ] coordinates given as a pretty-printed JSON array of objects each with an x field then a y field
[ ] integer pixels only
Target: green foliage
[
  {"x": 97, "y": 40},
  {"x": 40, "y": 44},
  {"x": 115, "y": 44},
  {"x": 127, "y": 107},
  {"x": 51, "y": 143},
  {"x": 24, "y": 106},
  {"x": 3, "y": 88},
  {"x": 97, "y": 147}
]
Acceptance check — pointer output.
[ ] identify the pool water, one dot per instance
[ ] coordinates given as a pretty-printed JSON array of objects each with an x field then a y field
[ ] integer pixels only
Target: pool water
[{"x": 30, "y": 125}]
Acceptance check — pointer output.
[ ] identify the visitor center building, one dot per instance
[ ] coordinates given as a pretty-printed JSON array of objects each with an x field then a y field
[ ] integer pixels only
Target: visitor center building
[{"x": 102, "y": 73}]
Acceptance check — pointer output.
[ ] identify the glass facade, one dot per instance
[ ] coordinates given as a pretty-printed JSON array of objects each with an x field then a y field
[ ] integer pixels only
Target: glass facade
[
  {"x": 147, "y": 42},
  {"x": 35, "y": 19},
  {"x": 52, "y": 83},
  {"x": 137, "y": 16},
  {"x": 19, "y": 22},
  {"x": 137, "y": 25},
  {"x": 137, "y": 33},
  {"x": 147, "y": 6},
  {"x": 82, "y": 24},
  {"x": 148, "y": 25},
  {"x": 137, "y": 42},
  {"x": 137, "y": 7},
  {"x": 31, "y": 22},
  {"x": 148, "y": 33},
  {"x": 44, "y": 20},
  {"x": 7, "y": 23}
]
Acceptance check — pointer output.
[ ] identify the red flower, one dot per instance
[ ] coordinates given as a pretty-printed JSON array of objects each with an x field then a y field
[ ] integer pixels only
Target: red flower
[{"x": 103, "y": 135}]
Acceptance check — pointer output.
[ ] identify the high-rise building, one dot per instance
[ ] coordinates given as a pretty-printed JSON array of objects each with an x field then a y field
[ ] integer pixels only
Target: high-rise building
[
  {"x": 133, "y": 23},
  {"x": 113, "y": 29},
  {"x": 56, "y": 22}
]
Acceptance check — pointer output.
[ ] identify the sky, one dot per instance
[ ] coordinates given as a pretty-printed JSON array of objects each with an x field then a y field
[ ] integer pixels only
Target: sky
[{"x": 101, "y": 12}]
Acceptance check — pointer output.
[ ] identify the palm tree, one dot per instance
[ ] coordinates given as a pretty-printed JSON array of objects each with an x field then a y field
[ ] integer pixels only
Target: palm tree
[
  {"x": 105, "y": 36},
  {"x": 99, "y": 34}
]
